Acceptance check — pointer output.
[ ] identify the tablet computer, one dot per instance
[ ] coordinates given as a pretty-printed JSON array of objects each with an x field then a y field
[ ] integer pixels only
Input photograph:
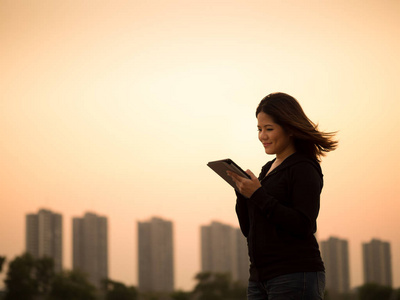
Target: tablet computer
[{"x": 221, "y": 166}]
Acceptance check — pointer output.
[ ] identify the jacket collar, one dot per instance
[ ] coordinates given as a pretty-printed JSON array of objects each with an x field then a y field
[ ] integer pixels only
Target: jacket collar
[{"x": 291, "y": 160}]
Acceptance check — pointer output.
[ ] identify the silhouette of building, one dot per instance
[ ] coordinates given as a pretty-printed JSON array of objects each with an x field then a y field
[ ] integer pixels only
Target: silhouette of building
[
  {"x": 335, "y": 254},
  {"x": 377, "y": 262},
  {"x": 90, "y": 247},
  {"x": 44, "y": 236},
  {"x": 243, "y": 258},
  {"x": 224, "y": 250},
  {"x": 155, "y": 256}
]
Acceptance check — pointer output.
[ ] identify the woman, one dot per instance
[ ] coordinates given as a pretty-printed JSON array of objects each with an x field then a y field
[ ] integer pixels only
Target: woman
[{"x": 277, "y": 211}]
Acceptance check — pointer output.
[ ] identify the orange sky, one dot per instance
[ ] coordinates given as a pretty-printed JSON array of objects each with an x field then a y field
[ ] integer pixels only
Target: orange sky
[{"x": 116, "y": 107}]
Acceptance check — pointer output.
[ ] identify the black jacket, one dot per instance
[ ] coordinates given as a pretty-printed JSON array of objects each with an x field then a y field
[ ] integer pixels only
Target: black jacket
[{"x": 279, "y": 219}]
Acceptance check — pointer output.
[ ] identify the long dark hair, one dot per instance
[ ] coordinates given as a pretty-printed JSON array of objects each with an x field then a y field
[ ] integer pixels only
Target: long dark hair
[{"x": 287, "y": 112}]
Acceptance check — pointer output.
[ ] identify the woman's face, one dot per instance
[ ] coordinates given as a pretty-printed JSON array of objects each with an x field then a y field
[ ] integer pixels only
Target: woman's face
[{"x": 273, "y": 137}]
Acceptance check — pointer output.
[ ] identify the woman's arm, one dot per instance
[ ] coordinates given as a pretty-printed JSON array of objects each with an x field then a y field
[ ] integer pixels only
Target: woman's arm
[{"x": 300, "y": 217}]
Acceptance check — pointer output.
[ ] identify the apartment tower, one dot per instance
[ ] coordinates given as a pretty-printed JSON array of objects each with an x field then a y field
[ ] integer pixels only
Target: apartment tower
[
  {"x": 335, "y": 254},
  {"x": 224, "y": 250},
  {"x": 155, "y": 256},
  {"x": 377, "y": 262},
  {"x": 90, "y": 246},
  {"x": 44, "y": 236},
  {"x": 243, "y": 258}
]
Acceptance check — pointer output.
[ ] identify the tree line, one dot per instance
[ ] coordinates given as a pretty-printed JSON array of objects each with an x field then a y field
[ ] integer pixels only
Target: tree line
[
  {"x": 35, "y": 279},
  {"x": 29, "y": 278}
]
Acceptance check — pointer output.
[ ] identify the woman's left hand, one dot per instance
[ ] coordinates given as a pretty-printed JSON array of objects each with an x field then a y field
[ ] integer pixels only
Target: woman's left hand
[{"x": 245, "y": 186}]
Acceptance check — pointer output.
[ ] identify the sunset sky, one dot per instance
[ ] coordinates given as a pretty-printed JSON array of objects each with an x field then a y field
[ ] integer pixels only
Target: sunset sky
[{"x": 115, "y": 107}]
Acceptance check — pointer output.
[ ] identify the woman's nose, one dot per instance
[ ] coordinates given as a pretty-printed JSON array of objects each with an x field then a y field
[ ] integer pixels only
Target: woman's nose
[{"x": 263, "y": 135}]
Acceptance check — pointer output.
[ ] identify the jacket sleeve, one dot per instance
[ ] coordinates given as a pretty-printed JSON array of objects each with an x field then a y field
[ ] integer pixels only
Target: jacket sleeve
[
  {"x": 242, "y": 213},
  {"x": 298, "y": 217}
]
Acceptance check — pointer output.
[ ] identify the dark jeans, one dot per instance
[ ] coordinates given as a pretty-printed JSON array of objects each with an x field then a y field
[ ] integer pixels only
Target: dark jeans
[{"x": 305, "y": 286}]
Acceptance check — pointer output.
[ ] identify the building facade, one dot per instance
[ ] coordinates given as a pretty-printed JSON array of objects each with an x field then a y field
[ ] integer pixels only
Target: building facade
[
  {"x": 243, "y": 258},
  {"x": 335, "y": 254},
  {"x": 224, "y": 250},
  {"x": 155, "y": 256},
  {"x": 90, "y": 246},
  {"x": 43, "y": 236},
  {"x": 377, "y": 262}
]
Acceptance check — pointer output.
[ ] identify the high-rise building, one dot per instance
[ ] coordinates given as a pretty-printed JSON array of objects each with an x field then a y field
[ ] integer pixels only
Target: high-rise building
[
  {"x": 243, "y": 258},
  {"x": 44, "y": 236},
  {"x": 90, "y": 247},
  {"x": 224, "y": 250},
  {"x": 335, "y": 254},
  {"x": 377, "y": 262},
  {"x": 155, "y": 256}
]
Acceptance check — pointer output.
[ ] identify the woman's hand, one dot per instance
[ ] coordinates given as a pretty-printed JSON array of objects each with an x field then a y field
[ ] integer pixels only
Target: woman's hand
[{"x": 245, "y": 186}]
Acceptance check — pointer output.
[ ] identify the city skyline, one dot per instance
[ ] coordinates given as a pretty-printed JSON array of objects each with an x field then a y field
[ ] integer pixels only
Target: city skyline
[
  {"x": 335, "y": 251},
  {"x": 117, "y": 107}
]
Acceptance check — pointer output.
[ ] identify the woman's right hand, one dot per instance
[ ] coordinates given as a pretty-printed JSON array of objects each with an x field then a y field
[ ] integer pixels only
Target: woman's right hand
[{"x": 246, "y": 186}]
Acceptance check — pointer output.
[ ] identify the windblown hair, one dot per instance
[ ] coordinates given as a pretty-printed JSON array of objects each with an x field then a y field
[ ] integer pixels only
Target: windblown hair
[{"x": 287, "y": 112}]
